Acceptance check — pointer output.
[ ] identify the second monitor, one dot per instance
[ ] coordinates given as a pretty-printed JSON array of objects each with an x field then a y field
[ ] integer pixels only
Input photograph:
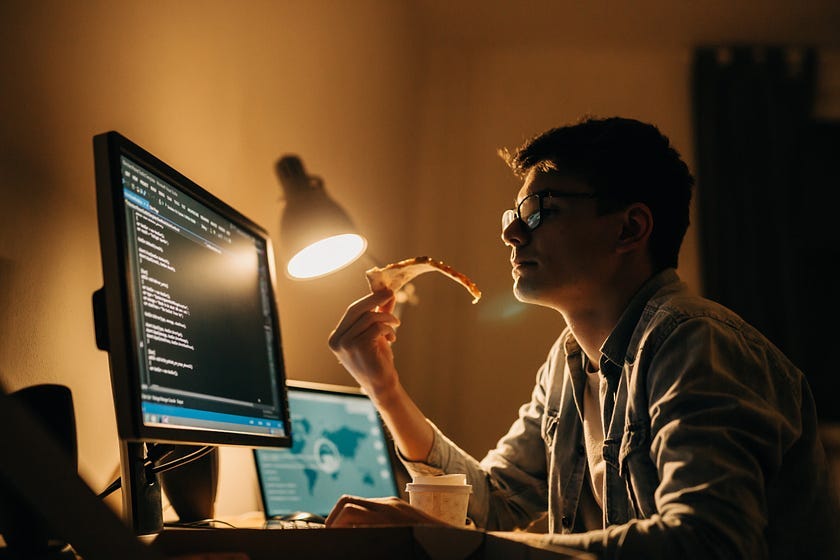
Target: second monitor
[{"x": 340, "y": 446}]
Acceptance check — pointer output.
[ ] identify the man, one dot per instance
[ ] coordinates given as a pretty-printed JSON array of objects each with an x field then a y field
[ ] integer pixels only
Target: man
[{"x": 661, "y": 425}]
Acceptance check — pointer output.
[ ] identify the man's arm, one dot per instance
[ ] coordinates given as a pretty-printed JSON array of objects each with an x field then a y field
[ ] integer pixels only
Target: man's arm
[
  {"x": 509, "y": 486},
  {"x": 362, "y": 342}
]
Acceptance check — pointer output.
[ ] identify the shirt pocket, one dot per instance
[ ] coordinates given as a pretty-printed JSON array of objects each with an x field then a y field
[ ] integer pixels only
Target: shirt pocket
[{"x": 637, "y": 470}]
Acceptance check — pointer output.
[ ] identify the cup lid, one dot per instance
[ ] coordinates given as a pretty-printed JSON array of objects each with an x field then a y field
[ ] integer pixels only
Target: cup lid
[
  {"x": 445, "y": 488},
  {"x": 456, "y": 479}
]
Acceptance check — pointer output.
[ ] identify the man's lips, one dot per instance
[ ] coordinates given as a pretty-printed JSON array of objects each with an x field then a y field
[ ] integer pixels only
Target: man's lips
[
  {"x": 517, "y": 258},
  {"x": 520, "y": 264}
]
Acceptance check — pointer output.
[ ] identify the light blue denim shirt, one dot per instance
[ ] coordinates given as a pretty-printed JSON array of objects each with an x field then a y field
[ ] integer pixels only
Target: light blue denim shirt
[{"x": 712, "y": 449}]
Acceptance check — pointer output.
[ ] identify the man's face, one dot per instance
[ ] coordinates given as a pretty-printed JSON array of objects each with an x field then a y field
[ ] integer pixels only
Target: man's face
[{"x": 565, "y": 261}]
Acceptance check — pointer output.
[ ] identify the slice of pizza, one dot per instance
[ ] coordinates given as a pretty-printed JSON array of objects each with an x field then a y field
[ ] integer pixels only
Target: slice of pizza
[{"x": 396, "y": 275}]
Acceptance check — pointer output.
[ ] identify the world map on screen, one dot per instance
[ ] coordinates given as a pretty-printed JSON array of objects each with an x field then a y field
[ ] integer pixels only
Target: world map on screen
[
  {"x": 338, "y": 447},
  {"x": 330, "y": 449}
]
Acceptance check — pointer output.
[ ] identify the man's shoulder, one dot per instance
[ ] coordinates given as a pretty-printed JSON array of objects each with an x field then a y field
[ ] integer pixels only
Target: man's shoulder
[
  {"x": 684, "y": 312},
  {"x": 677, "y": 303}
]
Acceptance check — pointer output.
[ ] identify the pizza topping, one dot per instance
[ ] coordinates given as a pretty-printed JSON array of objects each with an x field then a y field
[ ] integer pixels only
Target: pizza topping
[{"x": 396, "y": 275}]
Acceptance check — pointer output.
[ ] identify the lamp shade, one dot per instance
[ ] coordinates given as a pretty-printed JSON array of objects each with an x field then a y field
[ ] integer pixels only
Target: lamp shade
[{"x": 317, "y": 236}]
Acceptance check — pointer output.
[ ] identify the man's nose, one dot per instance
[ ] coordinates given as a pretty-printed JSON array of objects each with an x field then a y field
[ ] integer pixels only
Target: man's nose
[{"x": 515, "y": 234}]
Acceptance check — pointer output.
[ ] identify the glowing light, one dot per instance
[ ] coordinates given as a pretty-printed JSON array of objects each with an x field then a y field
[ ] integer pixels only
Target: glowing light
[{"x": 326, "y": 256}]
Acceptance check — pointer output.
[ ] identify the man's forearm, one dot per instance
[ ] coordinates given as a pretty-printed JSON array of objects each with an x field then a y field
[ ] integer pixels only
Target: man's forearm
[{"x": 407, "y": 423}]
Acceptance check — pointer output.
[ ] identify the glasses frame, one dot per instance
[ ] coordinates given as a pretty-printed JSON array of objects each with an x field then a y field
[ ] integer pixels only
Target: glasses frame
[{"x": 512, "y": 214}]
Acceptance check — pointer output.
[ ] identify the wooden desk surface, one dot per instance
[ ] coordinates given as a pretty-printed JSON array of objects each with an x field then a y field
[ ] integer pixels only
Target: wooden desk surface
[
  {"x": 369, "y": 543},
  {"x": 421, "y": 542}
]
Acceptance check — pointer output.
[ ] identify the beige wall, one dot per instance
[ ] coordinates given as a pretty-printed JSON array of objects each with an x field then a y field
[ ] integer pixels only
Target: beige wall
[
  {"x": 399, "y": 113},
  {"x": 220, "y": 90}
]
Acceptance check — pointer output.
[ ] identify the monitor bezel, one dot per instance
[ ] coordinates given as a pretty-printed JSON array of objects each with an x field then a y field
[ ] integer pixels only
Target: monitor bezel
[{"x": 120, "y": 312}]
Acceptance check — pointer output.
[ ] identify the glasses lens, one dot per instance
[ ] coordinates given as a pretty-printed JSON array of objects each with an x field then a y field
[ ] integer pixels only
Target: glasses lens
[
  {"x": 529, "y": 211},
  {"x": 508, "y": 216}
]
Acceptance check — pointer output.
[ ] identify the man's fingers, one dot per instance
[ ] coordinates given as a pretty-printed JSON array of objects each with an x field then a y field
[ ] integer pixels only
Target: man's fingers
[
  {"x": 388, "y": 306},
  {"x": 336, "y": 510},
  {"x": 362, "y": 307},
  {"x": 353, "y": 508},
  {"x": 353, "y": 511},
  {"x": 369, "y": 323},
  {"x": 348, "y": 516},
  {"x": 367, "y": 329}
]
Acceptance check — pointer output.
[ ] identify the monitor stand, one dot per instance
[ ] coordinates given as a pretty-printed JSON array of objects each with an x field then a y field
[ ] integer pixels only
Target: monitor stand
[{"x": 142, "y": 503}]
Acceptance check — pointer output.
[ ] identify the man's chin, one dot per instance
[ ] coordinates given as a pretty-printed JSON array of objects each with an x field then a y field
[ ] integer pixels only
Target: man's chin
[{"x": 525, "y": 293}]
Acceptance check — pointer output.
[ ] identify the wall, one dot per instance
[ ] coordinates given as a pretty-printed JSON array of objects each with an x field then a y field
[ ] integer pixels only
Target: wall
[{"x": 219, "y": 90}]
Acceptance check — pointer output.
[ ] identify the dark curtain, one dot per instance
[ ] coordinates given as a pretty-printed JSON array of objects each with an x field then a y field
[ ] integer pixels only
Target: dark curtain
[{"x": 763, "y": 187}]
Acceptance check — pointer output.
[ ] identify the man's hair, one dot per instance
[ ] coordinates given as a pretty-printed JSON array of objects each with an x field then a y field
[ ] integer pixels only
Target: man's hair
[{"x": 623, "y": 161}]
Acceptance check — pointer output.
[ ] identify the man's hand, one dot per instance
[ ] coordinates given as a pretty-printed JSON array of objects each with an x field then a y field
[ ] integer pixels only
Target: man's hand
[
  {"x": 362, "y": 341},
  {"x": 351, "y": 511}
]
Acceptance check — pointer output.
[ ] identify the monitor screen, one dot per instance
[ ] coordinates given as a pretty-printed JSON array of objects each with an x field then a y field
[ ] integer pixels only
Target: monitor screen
[{"x": 192, "y": 327}]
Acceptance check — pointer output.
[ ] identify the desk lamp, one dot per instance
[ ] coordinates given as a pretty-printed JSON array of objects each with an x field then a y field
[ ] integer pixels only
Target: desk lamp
[{"x": 317, "y": 236}]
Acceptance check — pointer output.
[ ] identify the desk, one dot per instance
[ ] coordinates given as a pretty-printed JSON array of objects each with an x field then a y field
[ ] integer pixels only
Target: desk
[
  {"x": 38, "y": 471},
  {"x": 423, "y": 542}
]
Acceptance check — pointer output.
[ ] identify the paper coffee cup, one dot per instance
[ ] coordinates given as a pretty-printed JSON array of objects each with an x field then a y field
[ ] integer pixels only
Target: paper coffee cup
[{"x": 444, "y": 497}]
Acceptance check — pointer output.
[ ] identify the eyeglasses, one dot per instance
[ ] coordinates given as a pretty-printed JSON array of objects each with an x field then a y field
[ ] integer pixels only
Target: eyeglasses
[{"x": 530, "y": 209}]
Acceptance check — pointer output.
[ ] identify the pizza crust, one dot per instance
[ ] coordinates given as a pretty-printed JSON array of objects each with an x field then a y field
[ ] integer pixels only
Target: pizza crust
[{"x": 396, "y": 275}]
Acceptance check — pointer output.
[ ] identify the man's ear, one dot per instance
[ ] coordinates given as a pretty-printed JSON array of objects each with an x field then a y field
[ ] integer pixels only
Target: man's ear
[{"x": 636, "y": 227}]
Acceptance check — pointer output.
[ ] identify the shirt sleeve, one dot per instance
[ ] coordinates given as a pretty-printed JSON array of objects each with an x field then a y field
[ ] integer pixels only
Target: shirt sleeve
[{"x": 509, "y": 484}]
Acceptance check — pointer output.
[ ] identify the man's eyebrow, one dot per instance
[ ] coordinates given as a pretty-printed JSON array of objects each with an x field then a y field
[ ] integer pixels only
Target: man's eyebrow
[{"x": 516, "y": 201}]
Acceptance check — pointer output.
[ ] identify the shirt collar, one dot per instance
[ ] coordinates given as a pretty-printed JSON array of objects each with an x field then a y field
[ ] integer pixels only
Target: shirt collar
[{"x": 615, "y": 347}]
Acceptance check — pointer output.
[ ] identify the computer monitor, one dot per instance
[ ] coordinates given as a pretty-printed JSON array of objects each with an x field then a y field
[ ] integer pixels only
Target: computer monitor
[
  {"x": 341, "y": 446},
  {"x": 188, "y": 316}
]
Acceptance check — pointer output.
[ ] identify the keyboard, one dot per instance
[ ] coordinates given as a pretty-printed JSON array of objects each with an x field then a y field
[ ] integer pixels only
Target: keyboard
[{"x": 291, "y": 523}]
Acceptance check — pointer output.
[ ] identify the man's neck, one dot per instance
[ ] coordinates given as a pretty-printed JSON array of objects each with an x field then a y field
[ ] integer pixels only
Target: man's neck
[{"x": 592, "y": 324}]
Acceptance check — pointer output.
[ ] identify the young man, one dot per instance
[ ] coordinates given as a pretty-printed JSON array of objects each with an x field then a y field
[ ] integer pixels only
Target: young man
[{"x": 661, "y": 425}]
